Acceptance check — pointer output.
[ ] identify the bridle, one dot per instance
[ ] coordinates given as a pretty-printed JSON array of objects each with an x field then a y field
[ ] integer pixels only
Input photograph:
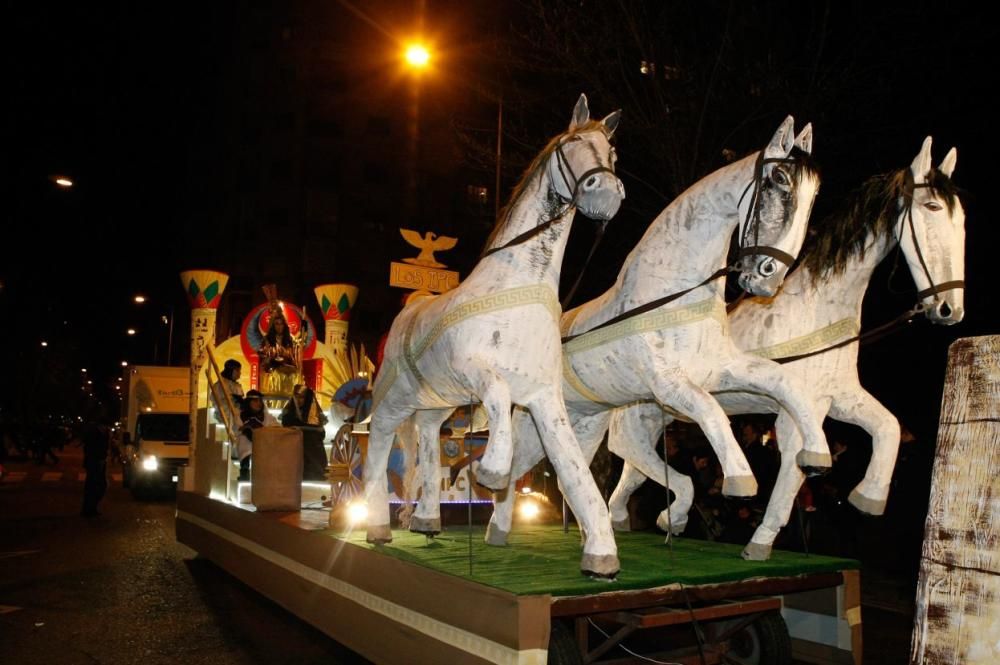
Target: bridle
[
  {"x": 572, "y": 183},
  {"x": 934, "y": 289},
  {"x": 753, "y": 216},
  {"x": 753, "y": 221},
  {"x": 904, "y": 318}
]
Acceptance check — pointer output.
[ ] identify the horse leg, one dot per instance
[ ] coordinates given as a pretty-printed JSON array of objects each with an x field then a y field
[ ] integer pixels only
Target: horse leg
[
  {"x": 756, "y": 375},
  {"x": 493, "y": 470},
  {"x": 676, "y": 391},
  {"x": 380, "y": 437},
  {"x": 786, "y": 487},
  {"x": 527, "y": 453},
  {"x": 860, "y": 408},
  {"x": 600, "y": 553},
  {"x": 632, "y": 436},
  {"x": 427, "y": 518}
]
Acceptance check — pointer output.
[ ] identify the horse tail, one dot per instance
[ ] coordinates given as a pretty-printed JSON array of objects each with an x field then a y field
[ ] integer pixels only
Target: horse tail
[{"x": 409, "y": 439}]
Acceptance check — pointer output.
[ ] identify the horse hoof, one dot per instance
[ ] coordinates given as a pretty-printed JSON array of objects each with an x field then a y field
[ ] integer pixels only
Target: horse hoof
[
  {"x": 496, "y": 536},
  {"x": 756, "y": 552},
  {"x": 621, "y": 525},
  {"x": 866, "y": 505},
  {"x": 739, "y": 486},
  {"x": 812, "y": 463},
  {"x": 494, "y": 480},
  {"x": 600, "y": 566},
  {"x": 379, "y": 534},
  {"x": 425, "y": 525},
  {"x": 675, "y": 528}
]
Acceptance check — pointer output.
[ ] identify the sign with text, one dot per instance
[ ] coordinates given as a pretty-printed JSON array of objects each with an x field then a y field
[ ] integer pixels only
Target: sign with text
[{"x": 423, "y": 278}]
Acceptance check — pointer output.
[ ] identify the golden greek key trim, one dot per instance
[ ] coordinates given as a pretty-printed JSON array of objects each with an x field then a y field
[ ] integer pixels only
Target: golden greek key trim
[
  {"x": 534, "y": 294},
  {"x": 835, "y": 332},
  {"x": 658, "y": 319}
]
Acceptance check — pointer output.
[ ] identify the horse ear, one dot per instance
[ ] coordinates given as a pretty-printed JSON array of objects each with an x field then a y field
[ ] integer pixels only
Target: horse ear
[
  {"x": 783, "y": 140},
  {"x": 922, "y": 163},
  {"x": 948, "y": 163},
  {"x": 581, "y": 113},
  {"x": 611, "y": 122},
  {"x": 804, "y": 141}
]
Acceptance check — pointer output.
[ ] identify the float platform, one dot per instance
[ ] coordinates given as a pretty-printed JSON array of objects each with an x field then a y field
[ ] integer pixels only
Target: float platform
[{"x": 417, "y": 601}]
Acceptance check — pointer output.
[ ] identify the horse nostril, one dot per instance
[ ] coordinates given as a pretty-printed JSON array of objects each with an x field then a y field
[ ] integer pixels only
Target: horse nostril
[
  {"x": 592, "y": 182},
  {"x": 944, "y": 311},
  {"x": 767, "y": 268}
]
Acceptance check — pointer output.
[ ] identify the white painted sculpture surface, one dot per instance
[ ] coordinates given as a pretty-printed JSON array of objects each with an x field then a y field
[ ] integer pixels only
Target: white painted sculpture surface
[
  {"x": 495, "y": 338},
  {"x": 678, "y": 352},
  {"x": 820, "y": 306}
]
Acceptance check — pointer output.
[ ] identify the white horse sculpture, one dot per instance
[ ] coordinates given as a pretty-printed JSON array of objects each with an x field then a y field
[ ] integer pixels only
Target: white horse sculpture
[
  {"x": 629, "y": 344},
  {"x": 819, "y": 307},
  {"x": 495, "y": 338}
]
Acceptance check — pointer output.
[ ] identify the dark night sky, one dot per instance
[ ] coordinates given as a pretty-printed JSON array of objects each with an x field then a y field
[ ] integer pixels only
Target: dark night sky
[{"x": 122, "y": 97}]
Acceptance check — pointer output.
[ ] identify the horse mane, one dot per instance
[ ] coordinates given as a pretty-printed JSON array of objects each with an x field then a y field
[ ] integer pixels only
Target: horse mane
[
  {"x": 530, "y": 172},
  {"x": 871, "y": 210}
]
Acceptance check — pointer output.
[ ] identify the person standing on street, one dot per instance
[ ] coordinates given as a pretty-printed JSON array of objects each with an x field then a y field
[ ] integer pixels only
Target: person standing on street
[{"x": 95, "y": 438}]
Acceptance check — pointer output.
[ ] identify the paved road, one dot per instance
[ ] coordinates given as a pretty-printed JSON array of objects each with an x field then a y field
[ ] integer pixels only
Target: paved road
[{"x": 119, "y": 589}]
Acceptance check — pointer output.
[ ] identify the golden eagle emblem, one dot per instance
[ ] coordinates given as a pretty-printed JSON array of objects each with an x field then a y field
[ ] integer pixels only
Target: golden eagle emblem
[{"x": 427, "y": 244}]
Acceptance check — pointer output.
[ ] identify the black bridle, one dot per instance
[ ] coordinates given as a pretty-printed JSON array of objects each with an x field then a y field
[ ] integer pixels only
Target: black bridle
[
  {"x": 934, "y": 289},
  {"x": 752, "y": 221},
  {"x": 572, "y": 183},
  {"x": 892, "y": 326}
]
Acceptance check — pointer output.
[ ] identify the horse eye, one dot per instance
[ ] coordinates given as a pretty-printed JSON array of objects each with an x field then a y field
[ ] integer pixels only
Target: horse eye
[
  {"x": 933, "y": 206},
  {"x": 780, "y": 177}
]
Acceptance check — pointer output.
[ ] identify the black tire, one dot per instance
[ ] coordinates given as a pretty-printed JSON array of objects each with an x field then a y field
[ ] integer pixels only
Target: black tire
[
  {"x": 562, "y": 645},
  {"x": 763, "y": 642}
]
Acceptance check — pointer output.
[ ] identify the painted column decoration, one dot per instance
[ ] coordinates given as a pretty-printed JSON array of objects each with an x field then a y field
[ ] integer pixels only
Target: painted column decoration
[
  {"x": 204, "y": 290},
  {"x": 336, "y": 301}
]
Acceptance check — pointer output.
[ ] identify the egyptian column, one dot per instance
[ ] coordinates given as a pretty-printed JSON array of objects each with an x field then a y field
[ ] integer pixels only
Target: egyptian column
[
  {"x": 204, "y": 290},
  {"x": 336, "y": 301}
]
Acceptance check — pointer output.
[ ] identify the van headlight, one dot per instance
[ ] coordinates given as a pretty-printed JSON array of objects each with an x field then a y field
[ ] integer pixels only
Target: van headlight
[{"x": 149, "y": 463}]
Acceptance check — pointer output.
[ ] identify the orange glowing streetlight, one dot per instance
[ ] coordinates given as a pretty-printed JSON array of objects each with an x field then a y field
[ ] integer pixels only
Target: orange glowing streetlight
[{"x": 417, "y": 56}]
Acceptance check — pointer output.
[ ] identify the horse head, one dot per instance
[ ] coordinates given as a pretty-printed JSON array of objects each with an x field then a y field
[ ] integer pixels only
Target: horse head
[
  {"x": 775, "y": 215},
  {"x": 931, "y": 233},
  {"x": 582, "y": 166}
]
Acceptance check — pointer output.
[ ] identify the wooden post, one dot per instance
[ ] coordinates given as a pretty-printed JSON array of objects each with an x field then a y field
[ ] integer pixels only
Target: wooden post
[{"x": 958, "y": 594}]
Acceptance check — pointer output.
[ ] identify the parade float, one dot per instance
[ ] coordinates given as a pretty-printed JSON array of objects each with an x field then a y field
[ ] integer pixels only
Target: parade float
[{"x": 446, "y": 594}]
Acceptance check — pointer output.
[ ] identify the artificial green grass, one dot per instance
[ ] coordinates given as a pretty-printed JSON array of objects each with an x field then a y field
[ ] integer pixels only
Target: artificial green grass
[{"x": 544, "y": 560}]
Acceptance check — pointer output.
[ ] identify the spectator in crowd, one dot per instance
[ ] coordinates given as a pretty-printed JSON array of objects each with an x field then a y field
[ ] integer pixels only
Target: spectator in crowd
[{"x": 95, "y": 437}]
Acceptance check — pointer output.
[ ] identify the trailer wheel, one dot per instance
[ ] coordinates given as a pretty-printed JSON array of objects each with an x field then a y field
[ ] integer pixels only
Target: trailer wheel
[
  {"x": 562, "y": 645},
  {"x": 763, "y": 642}
]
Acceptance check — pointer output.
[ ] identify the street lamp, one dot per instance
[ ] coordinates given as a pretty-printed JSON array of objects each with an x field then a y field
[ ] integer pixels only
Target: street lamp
[
  {"x": 167, "y": 320},
  {"x": 417, "y": 56}
]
